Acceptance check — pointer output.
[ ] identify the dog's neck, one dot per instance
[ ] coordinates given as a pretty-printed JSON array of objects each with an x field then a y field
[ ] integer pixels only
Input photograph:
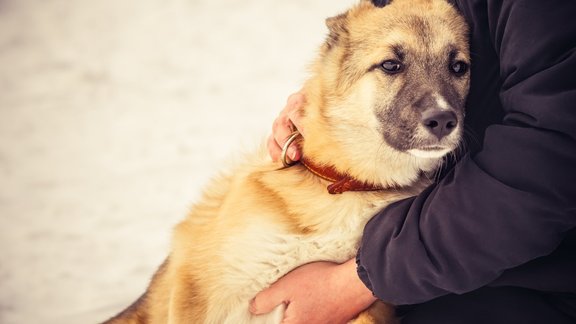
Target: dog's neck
[
  {"x": 347, "y": 172},
  {"x": 331, "y": 158},
  {"x": 340, "y": 182}
]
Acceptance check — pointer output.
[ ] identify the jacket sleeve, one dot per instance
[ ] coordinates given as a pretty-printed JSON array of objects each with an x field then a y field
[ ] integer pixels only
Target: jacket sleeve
[{"x": 512, "y": 201}]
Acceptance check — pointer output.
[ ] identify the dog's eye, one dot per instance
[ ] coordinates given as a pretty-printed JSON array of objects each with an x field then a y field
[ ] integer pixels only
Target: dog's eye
[
  {"x": 392, "y": 67},
  {"x": 458, "y": 68}
]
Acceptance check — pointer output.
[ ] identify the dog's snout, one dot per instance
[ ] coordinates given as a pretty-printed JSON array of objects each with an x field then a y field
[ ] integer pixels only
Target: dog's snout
[{"x": 439, "y": 122}]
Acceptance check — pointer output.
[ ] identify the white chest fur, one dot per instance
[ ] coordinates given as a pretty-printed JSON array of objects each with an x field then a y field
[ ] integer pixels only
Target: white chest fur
[{"x": 264, "y": 251}]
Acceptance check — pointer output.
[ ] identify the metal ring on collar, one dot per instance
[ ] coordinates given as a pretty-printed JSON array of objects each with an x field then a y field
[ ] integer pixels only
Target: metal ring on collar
[{"x": 284, "y": 157}]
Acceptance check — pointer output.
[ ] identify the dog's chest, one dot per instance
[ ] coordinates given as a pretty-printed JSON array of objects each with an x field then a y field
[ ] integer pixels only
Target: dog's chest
[
  {"x": 274, "y": 251},
  {"x": 339, "y": 231}
]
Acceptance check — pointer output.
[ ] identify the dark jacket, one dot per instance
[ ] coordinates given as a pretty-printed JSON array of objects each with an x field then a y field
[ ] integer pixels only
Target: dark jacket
[{"x": 505, "y": 214}]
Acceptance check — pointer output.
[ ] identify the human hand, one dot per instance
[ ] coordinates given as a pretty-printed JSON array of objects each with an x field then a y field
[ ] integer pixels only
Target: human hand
[
  {"x": 287, "y": 121},
  {"x": 319, "y": 292}
]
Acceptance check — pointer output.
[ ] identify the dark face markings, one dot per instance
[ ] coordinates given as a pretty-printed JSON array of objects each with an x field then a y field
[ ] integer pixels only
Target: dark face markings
[{"x": 426, "y": 83}]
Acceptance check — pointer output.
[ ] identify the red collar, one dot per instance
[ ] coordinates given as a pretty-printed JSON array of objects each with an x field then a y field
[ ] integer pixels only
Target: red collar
[{"x": 340, "y": 182}]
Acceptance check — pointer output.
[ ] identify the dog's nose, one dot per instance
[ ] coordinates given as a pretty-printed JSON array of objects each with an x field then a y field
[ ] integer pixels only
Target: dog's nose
[{"x": 439, "y": 122}]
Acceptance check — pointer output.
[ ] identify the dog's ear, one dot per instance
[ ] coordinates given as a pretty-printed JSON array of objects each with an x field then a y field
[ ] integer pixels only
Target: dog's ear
[
  {"x": 337, "y": 28},
  {"x": 380, "y": 3}
]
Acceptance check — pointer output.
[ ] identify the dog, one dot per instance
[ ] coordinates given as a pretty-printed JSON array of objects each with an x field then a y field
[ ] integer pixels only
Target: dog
[{"x": 385, "y": 105}]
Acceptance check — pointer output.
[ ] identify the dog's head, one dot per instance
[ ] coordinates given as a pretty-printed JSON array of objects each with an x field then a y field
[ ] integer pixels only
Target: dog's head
[{"x": 388, "y": 92}]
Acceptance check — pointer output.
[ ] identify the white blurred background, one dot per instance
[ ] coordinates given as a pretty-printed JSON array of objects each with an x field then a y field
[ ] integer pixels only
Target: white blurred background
[{"x": 113, "y": 114}]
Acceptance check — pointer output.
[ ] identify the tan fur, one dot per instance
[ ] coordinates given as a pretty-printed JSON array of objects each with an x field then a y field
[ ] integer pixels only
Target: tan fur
[{"x": 258, "y": 221}]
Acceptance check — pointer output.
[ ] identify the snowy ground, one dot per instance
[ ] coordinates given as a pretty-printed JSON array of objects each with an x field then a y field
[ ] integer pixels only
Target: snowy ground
[{"x": 113, "y": 114}]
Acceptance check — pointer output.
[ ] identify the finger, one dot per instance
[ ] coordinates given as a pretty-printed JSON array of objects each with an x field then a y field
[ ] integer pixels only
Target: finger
[
  {"x": 284, "y": 125},
  {"x": 293, "y": 152},
  {"x": 283, "y": 128},
  {"x": 274, "y": 149},
  {"x": 266, "y": 301},
  {"x": 294, "y": 108},
  {"x": 296, "y": 100}
]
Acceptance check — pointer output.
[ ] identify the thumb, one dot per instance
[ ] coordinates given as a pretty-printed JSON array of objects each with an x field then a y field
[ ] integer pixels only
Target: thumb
[{"x": 266, "y": 300}]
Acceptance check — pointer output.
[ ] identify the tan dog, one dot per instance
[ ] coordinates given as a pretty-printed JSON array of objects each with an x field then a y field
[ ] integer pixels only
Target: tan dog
[{"x": 384, "y": 105}]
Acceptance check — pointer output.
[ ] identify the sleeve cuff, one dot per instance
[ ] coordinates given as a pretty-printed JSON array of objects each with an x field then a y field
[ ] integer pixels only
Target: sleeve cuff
[{"x": 362, "y": 273}]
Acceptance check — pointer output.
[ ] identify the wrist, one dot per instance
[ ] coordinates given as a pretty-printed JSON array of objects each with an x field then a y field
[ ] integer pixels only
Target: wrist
[{"x": 358, "y": 296}]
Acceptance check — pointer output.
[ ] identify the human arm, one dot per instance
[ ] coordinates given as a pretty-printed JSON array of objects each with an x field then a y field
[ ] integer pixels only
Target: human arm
[
  {"x": 515, "y": 199},
  {"x": 319, "y": 292}
]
